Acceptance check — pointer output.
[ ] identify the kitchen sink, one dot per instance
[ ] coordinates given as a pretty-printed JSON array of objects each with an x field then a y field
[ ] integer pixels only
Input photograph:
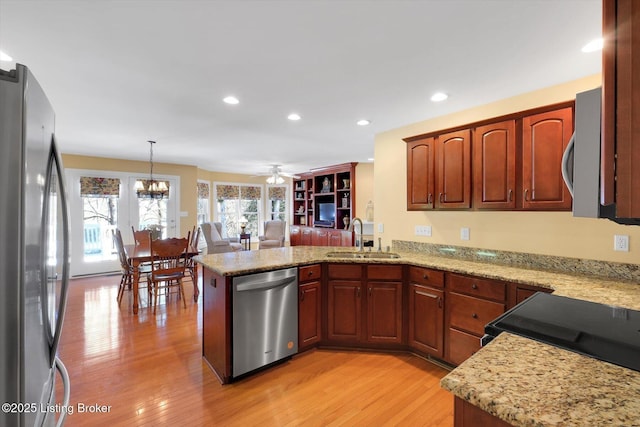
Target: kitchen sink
[{"x": 364, "y": 255}]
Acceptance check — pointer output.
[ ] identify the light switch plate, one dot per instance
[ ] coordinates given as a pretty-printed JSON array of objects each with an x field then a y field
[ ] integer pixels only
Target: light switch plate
[
  {"x": 423, "y": 230},
  {"x": 380, "y": 227},
  {"x": 621, "y": 243},
  {"x": 464, "y": 233}
]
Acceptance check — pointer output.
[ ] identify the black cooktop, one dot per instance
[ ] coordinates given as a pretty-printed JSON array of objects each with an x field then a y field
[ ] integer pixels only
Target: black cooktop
[{"x": 602, "y": 331}]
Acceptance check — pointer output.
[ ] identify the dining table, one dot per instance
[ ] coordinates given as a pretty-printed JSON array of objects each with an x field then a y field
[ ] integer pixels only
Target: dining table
[{"x": 138, "y": 254}]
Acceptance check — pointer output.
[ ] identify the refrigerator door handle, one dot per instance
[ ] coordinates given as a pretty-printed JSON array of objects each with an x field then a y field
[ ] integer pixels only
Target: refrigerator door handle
[
  {"x": 567, "y": 164},
  {"x": 66, "y": 383},
  {"x": 55, "y": 162}
]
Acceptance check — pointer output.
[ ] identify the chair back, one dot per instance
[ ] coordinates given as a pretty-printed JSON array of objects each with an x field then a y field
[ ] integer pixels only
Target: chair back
[
  {"x": 141, "y": 237},
  {"x": 274, "y": 230},
  {"x": 117, "y": 239},
  {"x": 169, "y": 258},
  {"x": 195, "y": 237}
]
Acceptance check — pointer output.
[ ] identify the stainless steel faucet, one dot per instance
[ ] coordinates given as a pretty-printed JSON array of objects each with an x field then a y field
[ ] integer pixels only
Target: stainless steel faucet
[{"x": 361, "y": 242}]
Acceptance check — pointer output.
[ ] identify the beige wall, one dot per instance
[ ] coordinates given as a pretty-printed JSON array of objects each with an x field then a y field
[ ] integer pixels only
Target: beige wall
[
  {"x": 364, "y": 188},
  {"x": 550, "y": 233}
]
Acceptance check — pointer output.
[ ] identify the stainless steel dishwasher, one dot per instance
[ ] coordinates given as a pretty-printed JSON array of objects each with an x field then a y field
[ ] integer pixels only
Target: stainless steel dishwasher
[{"x": 265, "y": 319}]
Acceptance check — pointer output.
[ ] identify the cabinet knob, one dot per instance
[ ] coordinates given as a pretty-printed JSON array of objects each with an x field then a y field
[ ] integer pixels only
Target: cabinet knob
[
  {"x": 424, "y": 276},
  {"x": 212, "y": 282},
  {"x": 526, "y": 194},
  {"x": 430, "y": 198},
  {"x": 474, "y": 286},
  {"x": 310, "y": 273},
  {"x": 510, "y": 194},
  {"x": 474, "y": 315},
  {"x": 441, "y": 197}
]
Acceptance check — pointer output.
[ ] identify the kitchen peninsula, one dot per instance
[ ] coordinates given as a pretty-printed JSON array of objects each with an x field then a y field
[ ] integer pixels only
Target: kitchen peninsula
[{"x": 503, "y": 378}]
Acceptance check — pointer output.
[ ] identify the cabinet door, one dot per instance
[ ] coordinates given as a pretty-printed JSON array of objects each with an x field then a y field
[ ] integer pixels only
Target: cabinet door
[
  {"x": 294, "y": 236},
  {"x": 545, "y": 137},
  {"x": 426, "y": 319},
  {"x": 420, "y": 174},
  {"x": 216, "y": 324},
  {"x": 309, "y": 315},
  {"x": 494, "y": 166},
  {"x": 453, "y": 171},
  {"x": 320, "y": 237},
  {"x": 344, "y": 310},
  {"x": 621, "y": 110},
  {"x": 306, "y": 238},
  {"x": 384, "y": 312},
  {"x": 335, "y": 238}
]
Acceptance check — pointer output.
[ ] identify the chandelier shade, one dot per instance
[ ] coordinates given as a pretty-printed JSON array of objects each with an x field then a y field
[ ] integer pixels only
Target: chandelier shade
[{"x": 151, "y": 188}]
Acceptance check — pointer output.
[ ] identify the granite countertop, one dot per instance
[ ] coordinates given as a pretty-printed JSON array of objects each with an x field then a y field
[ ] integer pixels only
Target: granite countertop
[
  {"x": 595, "y": 289},
  {"x": 528, "y": 383},
  {"x": 522, "y": 381}
]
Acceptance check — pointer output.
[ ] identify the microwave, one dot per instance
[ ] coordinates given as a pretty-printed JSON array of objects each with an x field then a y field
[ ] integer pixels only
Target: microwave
[{"x": 581, "y": 160}]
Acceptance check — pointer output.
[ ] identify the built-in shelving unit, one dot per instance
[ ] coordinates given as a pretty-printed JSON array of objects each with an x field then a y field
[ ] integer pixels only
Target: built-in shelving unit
[{"x": 325, "y": 197}]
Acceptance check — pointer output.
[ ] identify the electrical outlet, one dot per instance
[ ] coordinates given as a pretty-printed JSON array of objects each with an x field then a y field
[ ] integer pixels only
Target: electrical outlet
[
  {"x": 464, "y": 233},
  {"x": 423, "y": 230},
  {"x": 621, "y": 243},
  {"x": 380, "y": 227}
]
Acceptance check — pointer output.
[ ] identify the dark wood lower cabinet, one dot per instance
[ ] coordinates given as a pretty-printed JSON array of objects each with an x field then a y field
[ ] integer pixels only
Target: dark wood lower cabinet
[
  {"x": 309, "y": 315},
  {"x": 344, "y": 311},
  {"x": 467, "y": 415},
  {"x": 426, "y": 319},
  {"x": 384, "y": 312},
  {"x": 216, "y": 324}
]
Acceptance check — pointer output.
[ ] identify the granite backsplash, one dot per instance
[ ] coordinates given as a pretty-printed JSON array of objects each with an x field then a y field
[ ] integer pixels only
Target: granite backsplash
[{"x": 604, "y": 269}]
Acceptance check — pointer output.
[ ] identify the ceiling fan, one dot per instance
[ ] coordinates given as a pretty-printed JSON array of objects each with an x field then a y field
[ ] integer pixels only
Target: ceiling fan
[{"x": 275, "y": 175}]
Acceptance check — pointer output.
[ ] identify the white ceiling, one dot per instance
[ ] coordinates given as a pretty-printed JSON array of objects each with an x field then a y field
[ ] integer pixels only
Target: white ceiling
[{"x": 119, "y": 73}]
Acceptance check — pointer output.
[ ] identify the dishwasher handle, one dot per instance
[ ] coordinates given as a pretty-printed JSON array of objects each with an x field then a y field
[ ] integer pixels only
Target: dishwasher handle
[{"x": 261, "y": 286}]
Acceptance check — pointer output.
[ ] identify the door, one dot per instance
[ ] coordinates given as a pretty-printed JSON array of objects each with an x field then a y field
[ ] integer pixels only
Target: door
[
  {"x": 494, "y": 166},
  {"x": 544, "y": 140},
  {"x": 100, "y": 202},
  {"x": 453, "y": 172}
]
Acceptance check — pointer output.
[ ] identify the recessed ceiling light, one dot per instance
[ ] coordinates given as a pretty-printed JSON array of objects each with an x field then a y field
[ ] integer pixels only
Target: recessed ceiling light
[
  {"x": 370, "y": 159},
  {"x": 439, "y": 96},
  {"x": 231, "y": 100},
  {"x": 363, "y": 122},
  {"x": 5, "y": 57},
  {"x": 294, "y": 116},
  {"x": 593, "y": 45}
]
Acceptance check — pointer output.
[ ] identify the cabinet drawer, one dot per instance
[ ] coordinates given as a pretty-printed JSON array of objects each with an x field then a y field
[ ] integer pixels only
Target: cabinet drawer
[
  {"x": 462, "y": 346},
  {"x": 384, "y": 272},
  {"x": 483, "y": 288},
  {"x": 426, "y": 276},
  {"x": 472, "y": 314},
  {"x": 345, "y": 271},
  {"x": 309, "y": 273}
]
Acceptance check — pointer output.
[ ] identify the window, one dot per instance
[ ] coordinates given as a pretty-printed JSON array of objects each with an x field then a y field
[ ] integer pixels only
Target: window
[
  {"x": 203, "y": 202},
  {"x": 277, "y": 202},
  {"x": 100, "y": 216},
  {"x": 236, "y": 202}
]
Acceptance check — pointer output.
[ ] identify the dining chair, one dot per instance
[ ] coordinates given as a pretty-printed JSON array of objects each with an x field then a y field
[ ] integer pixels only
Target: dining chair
[
  {"x": 141, "y": 237},
  {"x": 168, "y": 267},
  {"x": 191, "y": 264},
  {"x": 126, "y": 281}
]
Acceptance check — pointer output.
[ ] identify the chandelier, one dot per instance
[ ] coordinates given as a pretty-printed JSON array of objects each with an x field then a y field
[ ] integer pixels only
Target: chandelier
[
  {"x": 154, "y": 189},
  {"x": 275, "y": 177}
]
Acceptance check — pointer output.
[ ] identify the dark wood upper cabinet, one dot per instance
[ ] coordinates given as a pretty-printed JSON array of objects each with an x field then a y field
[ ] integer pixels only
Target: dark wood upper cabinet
[
  {"x": 420, "y": 174},
  {"x": 494, "y": 166},
  {"x": 544, "y": 139},
  {"x": 453, "y": 171},
  {"x": 621, "y": 107}
]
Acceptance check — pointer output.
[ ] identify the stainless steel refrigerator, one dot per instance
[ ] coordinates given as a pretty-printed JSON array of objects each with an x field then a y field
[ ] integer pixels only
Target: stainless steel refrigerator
[{"x": 34, "y": 255}]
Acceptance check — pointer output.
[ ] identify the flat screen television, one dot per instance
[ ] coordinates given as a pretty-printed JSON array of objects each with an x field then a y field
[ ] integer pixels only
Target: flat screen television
[{"x": 326, "y": 214}]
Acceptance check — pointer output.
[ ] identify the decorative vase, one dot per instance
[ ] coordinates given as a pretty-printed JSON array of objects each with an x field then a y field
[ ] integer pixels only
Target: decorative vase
[
  {"x": 345, "y": 221},
  {"x": 345, "y": 183}
]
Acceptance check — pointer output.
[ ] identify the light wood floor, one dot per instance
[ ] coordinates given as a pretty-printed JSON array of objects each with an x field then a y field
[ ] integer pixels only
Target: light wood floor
[{"x": 149, "y": 370}]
